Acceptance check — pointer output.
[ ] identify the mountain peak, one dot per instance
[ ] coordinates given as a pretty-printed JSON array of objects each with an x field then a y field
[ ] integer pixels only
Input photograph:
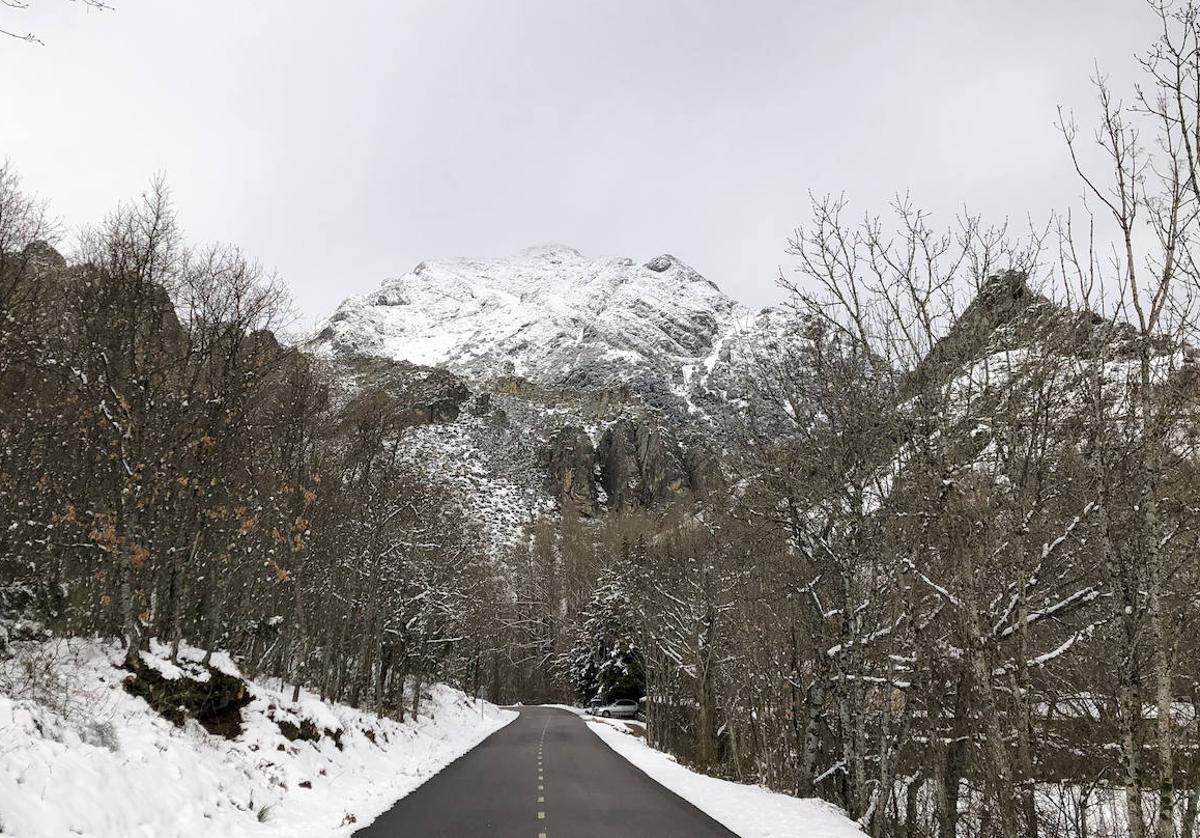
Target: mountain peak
[
  {"x": 659, "y": 264},
  {"x": 552, "y": 251},
  {"x": 548, "y": 314}
]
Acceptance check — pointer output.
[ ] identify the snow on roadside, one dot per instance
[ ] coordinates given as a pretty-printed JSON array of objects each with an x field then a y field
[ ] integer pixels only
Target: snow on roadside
[
  {"x": 569, "y": 708},
  {"x": 750, "y": 811},
  {"x": 81, "y": 756}
]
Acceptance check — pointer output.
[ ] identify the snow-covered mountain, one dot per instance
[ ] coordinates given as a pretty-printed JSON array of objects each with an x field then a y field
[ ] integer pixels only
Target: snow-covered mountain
[
  {"x": 556, "y": 318},
  {"x": 551, "y": 378}
]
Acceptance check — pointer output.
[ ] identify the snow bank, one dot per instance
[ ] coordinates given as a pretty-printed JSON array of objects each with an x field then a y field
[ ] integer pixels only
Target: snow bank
[
  {"x": 569, "y": 708},
  {"x": 81, "y": 756},
  {"x": 750, "y": 811}
]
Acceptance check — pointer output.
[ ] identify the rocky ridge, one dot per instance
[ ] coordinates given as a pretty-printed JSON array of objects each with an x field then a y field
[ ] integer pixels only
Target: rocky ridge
[{"x": 552, "y": 380}]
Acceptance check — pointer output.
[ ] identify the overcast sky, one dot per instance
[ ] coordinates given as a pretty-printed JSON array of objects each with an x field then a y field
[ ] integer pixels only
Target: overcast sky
[{"x": 343, "y": 142}]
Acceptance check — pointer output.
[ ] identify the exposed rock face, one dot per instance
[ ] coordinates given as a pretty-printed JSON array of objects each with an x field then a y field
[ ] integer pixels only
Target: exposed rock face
[
  {"x": 569, "y": 470},
  {"x": 43, "y": 254},
  {"x": 658, "y": 459},
  {"x": 703, "y": 467},
  {"x": 619, "y": 471},
  {"x": 1009, "y": 316},
  {"x": 1001, "y": 299},
  {"x": 421, "y": 395},
  {"x": 639, "y": 465},
  {"x": 434, "y": 395}
]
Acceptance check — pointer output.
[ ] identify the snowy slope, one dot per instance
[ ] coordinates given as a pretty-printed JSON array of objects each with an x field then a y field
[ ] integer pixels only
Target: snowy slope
[
  {"x": 549, "y": 312},
  {"x": 555, "y": 317},
  {"x": 493, "y": 472},
  {"x": 81, "y": 756}
]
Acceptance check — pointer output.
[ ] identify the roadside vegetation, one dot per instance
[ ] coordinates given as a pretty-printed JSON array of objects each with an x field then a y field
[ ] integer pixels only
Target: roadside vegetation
[{"x": 169, "y": 470}]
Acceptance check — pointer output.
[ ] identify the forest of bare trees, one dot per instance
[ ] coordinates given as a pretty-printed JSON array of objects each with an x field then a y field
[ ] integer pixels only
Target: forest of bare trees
[{"x": 168, "y": 470}]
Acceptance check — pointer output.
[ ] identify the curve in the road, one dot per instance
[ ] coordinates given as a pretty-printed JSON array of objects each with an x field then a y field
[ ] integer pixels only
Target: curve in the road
[{"x": 545, "y": 775}]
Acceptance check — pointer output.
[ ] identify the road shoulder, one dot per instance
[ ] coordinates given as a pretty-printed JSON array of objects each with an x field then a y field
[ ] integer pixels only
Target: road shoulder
[{"x": 750, "y": 811}]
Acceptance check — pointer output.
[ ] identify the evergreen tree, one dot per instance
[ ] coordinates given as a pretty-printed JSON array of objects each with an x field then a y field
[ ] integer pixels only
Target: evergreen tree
[{"x": 605, "y": 661}]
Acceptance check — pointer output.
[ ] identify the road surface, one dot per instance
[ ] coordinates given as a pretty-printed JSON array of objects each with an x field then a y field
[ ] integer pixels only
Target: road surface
[{"x": 545, "y": 775}]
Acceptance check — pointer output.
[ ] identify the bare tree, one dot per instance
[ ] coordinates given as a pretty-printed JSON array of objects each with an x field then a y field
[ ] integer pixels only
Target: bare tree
[{"x": 30, "y": 37}]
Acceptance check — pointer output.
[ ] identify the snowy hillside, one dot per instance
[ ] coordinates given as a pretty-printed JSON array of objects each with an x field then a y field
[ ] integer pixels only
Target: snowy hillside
[
  {"x": 555, "y": 317},
  {"x": 79, "y": 755}
]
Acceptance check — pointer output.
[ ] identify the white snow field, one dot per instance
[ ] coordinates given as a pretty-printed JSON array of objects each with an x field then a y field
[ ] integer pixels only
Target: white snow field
[
  {"x": 750, "y": 811},
  {"x": 81, "y": 756}
]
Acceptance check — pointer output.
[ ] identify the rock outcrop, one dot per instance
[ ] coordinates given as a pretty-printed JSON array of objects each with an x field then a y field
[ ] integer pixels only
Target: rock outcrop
[
  {"x": 213, "y": 698},
  {"x": 639, "y": 465},
  {"x": 570, "y": 466}
]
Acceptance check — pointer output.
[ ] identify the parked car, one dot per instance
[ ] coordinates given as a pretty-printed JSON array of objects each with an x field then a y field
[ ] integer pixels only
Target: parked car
[{"x": 626, "y": 708}]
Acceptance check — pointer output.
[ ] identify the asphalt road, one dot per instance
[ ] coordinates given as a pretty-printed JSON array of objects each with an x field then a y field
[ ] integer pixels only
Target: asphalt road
[{"x": 545, "y": 775}]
